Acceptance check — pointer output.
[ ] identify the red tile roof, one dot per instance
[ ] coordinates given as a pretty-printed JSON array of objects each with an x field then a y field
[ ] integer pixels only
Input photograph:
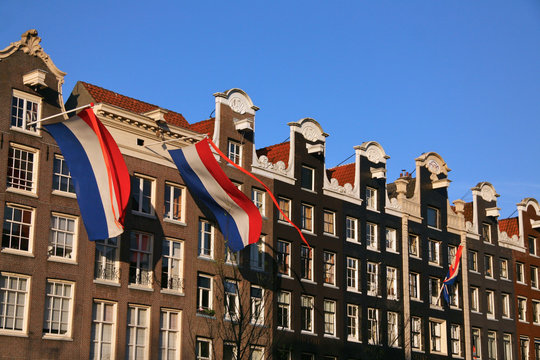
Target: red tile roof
[
  {"x": 204, "y": 127},
  {"x": 343, "y": 174},
  {"x": 468, "y": 211},
  {"x": 510, "y": 226},
  {"x": 277, "y": 152},
  {"x": 102, "y": 95}
]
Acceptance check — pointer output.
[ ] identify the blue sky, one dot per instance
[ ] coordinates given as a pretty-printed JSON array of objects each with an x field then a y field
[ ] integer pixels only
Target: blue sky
[{"x": 460, "y": 78}]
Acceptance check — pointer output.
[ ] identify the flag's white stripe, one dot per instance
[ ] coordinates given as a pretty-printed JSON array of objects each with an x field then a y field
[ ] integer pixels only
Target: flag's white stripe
[
  {"x": 94, "y": 153},
  {"x": 240, "y": 217}
]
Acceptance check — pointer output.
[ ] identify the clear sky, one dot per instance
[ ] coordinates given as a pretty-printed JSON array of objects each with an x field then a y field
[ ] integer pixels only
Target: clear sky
[{"x": 461, "y": 78}]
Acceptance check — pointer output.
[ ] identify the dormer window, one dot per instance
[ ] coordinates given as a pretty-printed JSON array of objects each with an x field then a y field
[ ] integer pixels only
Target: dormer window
[
  {"x": 234, "y": 152},
  {"x": 486, "y": 232},
  {"x": 25, "y": 109},
  {"x": 307, "y": 178},
  {"x": 371, "y": 198},
  {"x": 433, "y": 218}
]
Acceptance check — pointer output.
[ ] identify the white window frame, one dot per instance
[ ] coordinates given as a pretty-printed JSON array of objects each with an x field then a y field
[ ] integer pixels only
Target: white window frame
[
  {"x": 475, "y": 303},
  {"x": 174, "y": 264},
  {"x": 201, "y": 291},
  {"x": 373, "y": 326},
  {"x": 503, "y": 269},
  {"x": 107, "y": 269},
  {"x": 391, "y": 240},
  {"x": 451, "y": 254},
  {"x": 232, "y": 300},
  {"x": 490, "y": 304},
  {"x": 329, "y": 307},
  {"x": 488, "y": 266},
  {"x": 312, "y": 171},
  {"x": 171, "y": 204},
  {"x": 505, "y": 300},
  {"x": 307, "y": 312},
  {"x": 437, "y": 214},
  {"x": 414, "y": 286},
  {"x": 437, "y": 336},
  {"x": 535, "y": 312},
  {"x": 486, "y": 233},
  {"x": 373, "y": 288},
  {"x": 168, "y": 331},
  {"x": 19, "y": 184},
  {"x": 259, "y": 200},
  {"x": 5, "y": 289},
  {"x": 61, "y": 174},
  {"x": 234, "y": 151},
  {"x": 98, "y": 324},
  {"x": 141, "y": 274},
  {"x": 522, "y": 308},
  {"x": 524, "y": 343},
  {"x": 329, "y": 259},
  {"x": 141, "y": 312},
  {"x": 257, "y": 255},
  {"x": 434, "y": 288},
  {"x": 372, "y": 236},
  {"x": 353, "y": 325},
  {"x": 284, "y": 309},
  {"x": 533, "y": 250},
  {"x": 534, "y": 277},
  {"x": 392, "y": 275},
  {"x": 393, "y": 329},
  {"x": 455, "y": 340},
  {"x": 491, "y": 345},
  {"x": 206, "y": 238},
  {"x": 454, "y": 296},
  {"x": 371, "y": 198},
  {"x": 234, "y": 350},
  {"x": 306, "y": 261},
  {"x": 283, "y": 258},
  {"x": 198, "y": 342},
  {"x": 417, "y": 338},
  {"x": 25, "y": 97},
  {"x": 329, "y": 222},
  {"x": 476, "y": 342},
  {"x": 256, "y": 353},
  {"x": 55, "y": 233},
  {"x": 414, "y": 239},
  {"x": 507, "y": 347},
  {"x": 285, "y": 205},
  {"x": 257, "y": 305},
  {"x": 434, "y": 252},
  {"x": 7, "y": 248},
  {"x": 307, "y": 222},
  {"x": 472, "y": 260},
  {"x": 351, "y": 231},
  {"x": 520, "y": 273},
  {"x": 137, "y": 181},
  {"x": 353, "y": 271},
  {"x": 51, "y": 298}
]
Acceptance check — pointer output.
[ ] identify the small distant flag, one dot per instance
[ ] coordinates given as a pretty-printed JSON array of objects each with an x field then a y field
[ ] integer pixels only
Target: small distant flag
[
  {"x": 98, "y": 170},
  {"x": 453, "y": 272},
  {"x": 239, "y": 219}
]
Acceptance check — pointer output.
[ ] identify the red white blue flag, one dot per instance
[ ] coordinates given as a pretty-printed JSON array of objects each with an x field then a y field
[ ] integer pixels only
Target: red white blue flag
[
  {"x": 99, "y": 173},
  {"x": 453, "y": 272},
  {"x": 239, "y": 219}
]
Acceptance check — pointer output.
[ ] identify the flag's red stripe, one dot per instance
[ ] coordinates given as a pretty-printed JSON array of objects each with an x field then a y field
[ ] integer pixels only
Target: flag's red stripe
[
  {"x": 209, "y": 161},
  {"x": 260, "y": 182}
]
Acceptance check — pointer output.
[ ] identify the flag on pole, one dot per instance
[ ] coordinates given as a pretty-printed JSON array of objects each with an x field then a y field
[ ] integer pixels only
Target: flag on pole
[
  {"x": 99, "y": 173},
  {"x": 453, "y": 272},
  {"x": 239, "y": 219}
]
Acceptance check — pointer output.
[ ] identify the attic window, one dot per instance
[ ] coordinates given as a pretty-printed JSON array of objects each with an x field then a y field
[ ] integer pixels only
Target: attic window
[{"x": 140, "y": 142}]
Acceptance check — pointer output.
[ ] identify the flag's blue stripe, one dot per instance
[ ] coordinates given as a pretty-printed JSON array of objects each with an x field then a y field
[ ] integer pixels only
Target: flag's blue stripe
[
  {"x": 228, "y": 226},
  {"x": 84, "y": 181}
]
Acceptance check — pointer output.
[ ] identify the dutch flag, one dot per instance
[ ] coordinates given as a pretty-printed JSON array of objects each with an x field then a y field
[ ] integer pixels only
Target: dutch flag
[
  {"x": 239, "y": 219},
  {"x": 100, "y": 175},
  {"x": 453, "y": 272}
]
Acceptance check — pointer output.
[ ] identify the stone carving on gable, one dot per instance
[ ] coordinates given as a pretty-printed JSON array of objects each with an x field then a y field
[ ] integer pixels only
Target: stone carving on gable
[
  {"x": 278, "y": 167},
  {"x": 346, "y": 189},
  {"x": 469, "y": 227},
  {"x": 393, "y": 204},
  {"x": 237, "y": 103},
  {"x": 374, "y": 154},
  {"x": 310, "y": 133},
  {"x": 503, "y": 237},
  {"x": 434, "y": 167},
  {"x": 487, "y": 193}
]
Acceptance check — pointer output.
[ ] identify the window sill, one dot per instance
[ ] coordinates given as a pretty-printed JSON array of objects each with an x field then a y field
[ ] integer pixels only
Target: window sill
[
  {"x": 309, "y": 232},
  {"x": 392, "y": 298},
  {"x": 329, "y": 336},
  {"x": 64, "y": 194},
  {"x": 491, "y": 318},
  {"x": 332, "y": 286},
  {"x": 392, "y": 251},
  {"x": 355, "y": 291},
  {"x": 206, "y": 316},
  {"x": 62, "y": 260},
  {"x": 26, "y": 132},
  {"x": 373, "y": 249},
  {"x": 457, "y": 308},
  {"x": 438, "y": 229},
  {"x": 307, "y": 281},
  {"x": 140, "y": 287},
  {"x": 17, "y": 252},
  {"x": 207, "y": 258},
  {"x": 476, "y": 312},
  {"x": 373, "y": 209},
  {"x": 353, "y": 241},
  {"x": 310, "y": 333},
  {"x": 176, "y": 222},
  {"x": 418, "y": 351},
  {"x": 436, "y": 307},
  {"x": 309, "y": 190},
  {"x": 13, "y": 190},
  {"x": 415, "y": 257},
  {"x": 281, "y": 328},
  {"x": 523, "y": 321},
  {"x": 331, "y": 235},
  {"x": 13, "y": 333},
  {"x": 284, "y": 222},
  {"x": 56, "y": 337},
  {"x": 474, "y": 272},
  {"x": 490, "y": 278},
  {"x": 139, "y": 213},
  {"x": 107, "y": 282},
  {"x": 285, "y": 276},
  {"x": 172, "y": 292},
  {"x": 417, "y": 300},
  {"x": 434, "y": 264},
  {"x": 353, "y": 340}
]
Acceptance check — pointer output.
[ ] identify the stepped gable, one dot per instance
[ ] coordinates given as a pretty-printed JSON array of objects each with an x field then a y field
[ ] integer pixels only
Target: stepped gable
[
  {"x": 275, "y": 153},
  {"x": 102, "y": 95},
  {"x": 510, "y": 226},
  {"x": 204, "y": 127},
  {"x": 343, "y": 174}
]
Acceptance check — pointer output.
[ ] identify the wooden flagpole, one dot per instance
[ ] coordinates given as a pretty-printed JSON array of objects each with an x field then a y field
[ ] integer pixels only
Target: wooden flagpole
[{"x": 60, "y": 114}]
